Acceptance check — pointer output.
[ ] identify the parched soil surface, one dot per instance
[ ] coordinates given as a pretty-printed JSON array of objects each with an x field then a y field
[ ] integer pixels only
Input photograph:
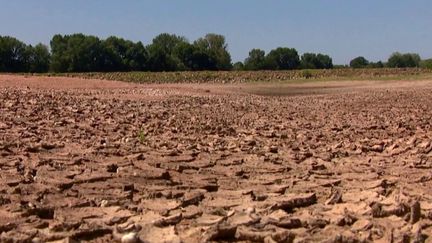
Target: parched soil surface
[{"x": 101, "y": 161}]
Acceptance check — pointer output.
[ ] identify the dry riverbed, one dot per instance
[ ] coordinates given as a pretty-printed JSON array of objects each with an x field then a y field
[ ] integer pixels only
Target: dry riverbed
[{"x": 90, "y": 160}]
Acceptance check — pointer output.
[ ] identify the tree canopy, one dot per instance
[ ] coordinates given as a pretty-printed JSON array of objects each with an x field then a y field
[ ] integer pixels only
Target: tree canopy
[
  {"x": 78, "y": 53},
  {"x": 283, "y": 58},
  {"x": 426, "y": 63},
  {"x": 16, "y": 56},
  {"x": 399, "y": 60},
  {"x": 256, "y": 60},
  {"x": 13, "y": 55},
  {"x": 124, "y": 55},
  {"x": 316, "y": 61},
  {"x": 359, "y": 62},
  {"x": 166, "y": 52},
  {"x": 162, "y": 52},
  {"x": 216, "y": 48},
  {"x": 38, "y": 58}
]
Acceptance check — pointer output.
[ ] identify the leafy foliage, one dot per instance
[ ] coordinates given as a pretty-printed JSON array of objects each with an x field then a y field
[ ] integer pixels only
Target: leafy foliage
[
  {"x": 38, "y": 58},
  {"x": 167, "y": 52},
  {"x": 399, "y": 60},
  {"x": 426, "y": 63},
  {"x": 316, "y": 61},
  {"x": 378, "y": 64},
  {"x": 283, "y": 58},
  {"x": 161, "y": 52},
  {"x": 77, "y": 53},
  {"x": 15, "y": 56},
  {"x": 359, "y": 62},
  {"x": 238, "y": 66},
  {"x": 193, "y": 58},
  {"x": 216, "y": 48},
  {"x": 124, "y": 55},
  {"x": 81, "y": 53},
  {"x": 256, "y": 60}
]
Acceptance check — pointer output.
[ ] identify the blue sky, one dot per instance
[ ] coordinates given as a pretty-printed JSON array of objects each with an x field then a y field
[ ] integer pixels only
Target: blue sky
[{"x": 341, "y": 28}]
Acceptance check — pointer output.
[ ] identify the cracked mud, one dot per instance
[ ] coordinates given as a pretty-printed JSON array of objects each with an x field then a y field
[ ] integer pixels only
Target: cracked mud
[{"x": 88, "y": 160}]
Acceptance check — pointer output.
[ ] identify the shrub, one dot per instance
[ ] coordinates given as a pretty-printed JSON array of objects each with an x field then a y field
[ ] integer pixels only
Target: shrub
[
  {"x": 399, "y": 60},
  {"x": 359, "y": 62},
  {"x": 426, "y": 63},
  {"x": 307, "y": 74}
]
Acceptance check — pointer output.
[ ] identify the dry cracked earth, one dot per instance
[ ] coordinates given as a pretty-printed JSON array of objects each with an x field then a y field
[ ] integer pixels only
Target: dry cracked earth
[{"x": 99, "y": 161}]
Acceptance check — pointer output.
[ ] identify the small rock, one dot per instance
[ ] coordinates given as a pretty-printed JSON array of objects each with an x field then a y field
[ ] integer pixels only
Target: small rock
[
  {"x": 171, "y": 220},
  {"x": 104, "y": 203},
  {"x": 318, "y": 223},
  {"x": 192, "y": 198},
  {"x": 291, "y": 201},
  {"x": 377, "y": 148},
  {"x": 319, "y": 167},
  {"x": 128, "y": 187},
  {"x": 208, "y": 220},
  {"x": 220, "y": 232},
  {"x": 112, "y": 168},
  {"x": 36, "y": 240},
  {"x": 335, "y": 197},
  {"x": 361, "y": 225},
  {"x": 252, "y": 235},
  {"x": 415, "y": 212},
  {"x": 347, "y": 219},
  {"x": 48, "y": 146},
  {"x": 42, "y": 213},
  {"x": 273, "y": 149},
  {"x": 131, "y": 237}
]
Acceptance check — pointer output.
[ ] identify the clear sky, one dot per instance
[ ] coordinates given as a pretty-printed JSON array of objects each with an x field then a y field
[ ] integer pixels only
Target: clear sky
[{"x": 341, "y": 28}]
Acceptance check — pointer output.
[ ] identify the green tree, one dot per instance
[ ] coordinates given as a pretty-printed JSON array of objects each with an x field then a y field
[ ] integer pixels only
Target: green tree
[
  {"x": 256, "y": 60},
  {"x": 316, "y": 61},
  {"x": 13, "y": 55},
  {"x": 324, "y": 61},
  {"x": 59, "y": 58},
  {"x": 399, "y": 60},
  {"x": 378, "y": 64},
  {"x": 309, "y": 61},
  {"x": 116, "y": 53},
  {"x": 216, "y": 48},
  {"x": 161, "y": 52},
  {"x": 38, "y": 58},
  {"x": 359, "y": 62},
  {"x": 136, "y": 57},
  {"x": 426, "y": 63},
  {"x": 282, "y": 59},
  {"x": 194, "y": 58},
  {"x": 87, "y": 54},
  {"x": 78, "y": 53},
  {"x": 340, "y": 66},
  {"x": 238, "y": 66}
]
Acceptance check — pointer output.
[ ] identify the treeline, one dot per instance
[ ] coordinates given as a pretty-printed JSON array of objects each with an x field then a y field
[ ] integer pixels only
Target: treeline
[
  {"x": 396, "y": 60},
  {"x": 84, "y": 53},
  {"x": 15, "y": 56},
  {"x": 283, "y": 59},
  {"x": 167, "y": 52}
]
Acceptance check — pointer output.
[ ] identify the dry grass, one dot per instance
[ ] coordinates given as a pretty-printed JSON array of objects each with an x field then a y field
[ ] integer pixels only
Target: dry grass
[{"x": 258, "y": 76}]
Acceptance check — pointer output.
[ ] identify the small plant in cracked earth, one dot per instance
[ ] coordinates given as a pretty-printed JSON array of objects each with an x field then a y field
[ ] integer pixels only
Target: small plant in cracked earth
[{"x": 141, "y": 136}]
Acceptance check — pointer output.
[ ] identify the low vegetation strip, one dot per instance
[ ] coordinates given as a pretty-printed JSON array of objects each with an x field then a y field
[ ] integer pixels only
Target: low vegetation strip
[{"x": 256, "y": 76}]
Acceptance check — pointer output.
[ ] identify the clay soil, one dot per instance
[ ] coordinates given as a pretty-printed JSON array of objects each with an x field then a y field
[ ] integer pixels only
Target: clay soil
[{"x": 104, "y": 161}]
